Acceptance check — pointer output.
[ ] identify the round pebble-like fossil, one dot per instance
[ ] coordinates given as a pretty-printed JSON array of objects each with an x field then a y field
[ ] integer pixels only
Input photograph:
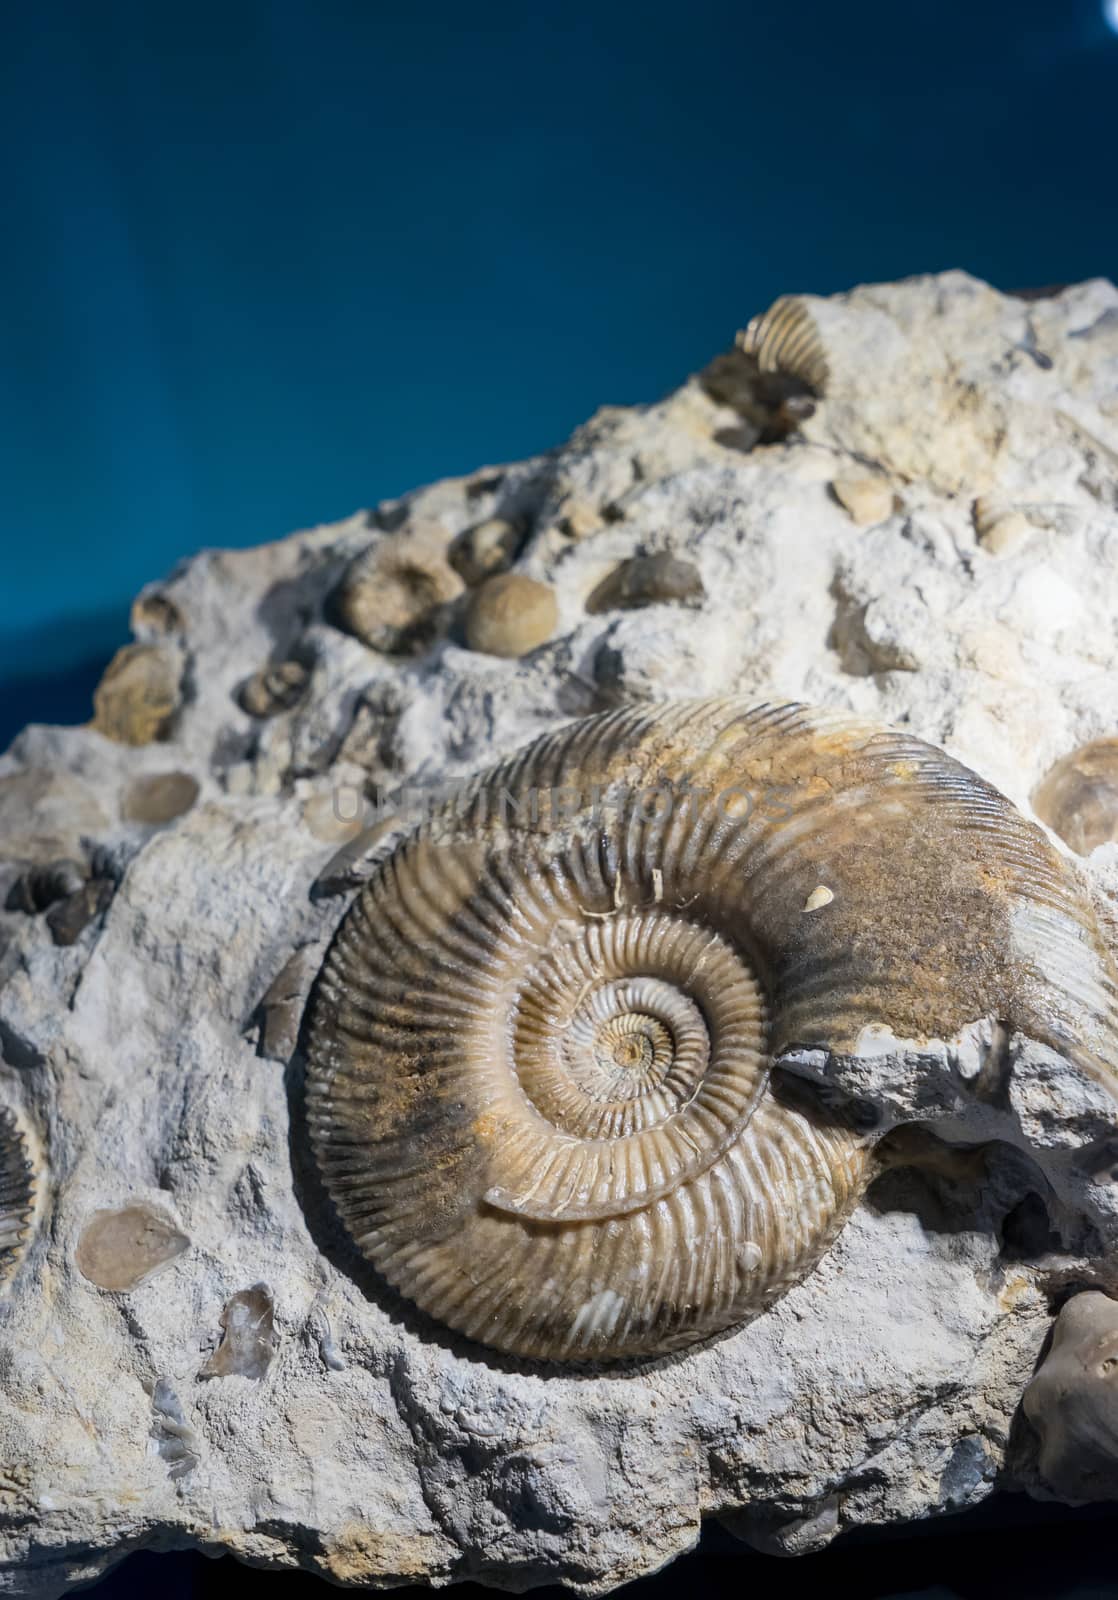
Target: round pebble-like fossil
[
  {"x": 17, "y": 1192},
  {"x": 1073, "y": 1401},
  {"x": 394, "y": 597},
  {"x": 540, "y": 1083},
  {"x": 510, "y": 615},
  {"x": 138, "y": 694},
  {"x": 159, "y": 797},
  {"x": 1078, "y": 799}
]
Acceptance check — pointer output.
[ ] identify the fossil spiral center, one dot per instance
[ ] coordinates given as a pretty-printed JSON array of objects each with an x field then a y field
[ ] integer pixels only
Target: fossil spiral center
[
  {"x": 609, "y": 1039},
  {"x": 635, "y": 1046},
  {"x": 634, "y": 1049}
]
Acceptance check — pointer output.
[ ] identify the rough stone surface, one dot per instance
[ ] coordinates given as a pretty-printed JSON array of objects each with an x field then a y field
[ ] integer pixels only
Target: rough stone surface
[{"x": 262, "y": 1393}]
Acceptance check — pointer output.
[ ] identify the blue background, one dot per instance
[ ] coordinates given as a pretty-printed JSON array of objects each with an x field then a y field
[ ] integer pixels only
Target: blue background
[{"x": 265, "y": 263}]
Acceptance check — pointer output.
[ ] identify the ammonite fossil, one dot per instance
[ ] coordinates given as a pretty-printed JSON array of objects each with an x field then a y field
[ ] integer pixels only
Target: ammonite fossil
[
  {"x": 540, "y": 1082},
  {"x": 17, "y": 1193}
]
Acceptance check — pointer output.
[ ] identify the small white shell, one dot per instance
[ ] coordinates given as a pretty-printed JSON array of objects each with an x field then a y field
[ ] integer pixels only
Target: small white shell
[{"x": 786, "y": 339}]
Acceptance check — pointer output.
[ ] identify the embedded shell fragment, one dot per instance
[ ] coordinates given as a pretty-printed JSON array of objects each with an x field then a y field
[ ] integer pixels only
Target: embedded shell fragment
[
  {"x": 539, "y": 1081},
  {"x": 17, "y": 1193},
  {"x": 786, "y": 339},
  {"x": 395, "y": 596},
  {"x": 1078, "y": 799},
  {"x": 1072, "y": 1401}
]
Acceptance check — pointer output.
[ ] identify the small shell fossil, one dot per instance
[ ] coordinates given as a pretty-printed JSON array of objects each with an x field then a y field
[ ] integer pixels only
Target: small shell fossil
[
  {"x": 510, "y": 615},
  {"x": 394, "y": 598},
  {"x": 486, "y": 549},
  {"x": 119, "y": 1250},
  {"x": 68, "y": 918},
  {"x": 248, "y": 1340},
  {"x": 155, "y": 615},
  {"x": 867, "y": 500},
  {"x": 274, "y": 689},
  {"x": 138, "y": 695},
  {"x": 17, "y": 1192},
  {"x": 160, "y": 797},
  {"x": 647, "y": 580},
  {"x": 786, "y": 339},
  {"x": 580, "y": 520},
  {"x": 175, "y": 1440},
  {"x": 1073, "y": 1401},
  {"x": 1001, "y": 527},
  {"x": 1079, "y": 797},
  {"x": 540, "y": 1046}
]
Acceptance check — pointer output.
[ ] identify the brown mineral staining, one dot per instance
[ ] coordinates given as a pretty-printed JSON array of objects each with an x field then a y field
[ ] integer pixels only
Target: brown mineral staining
[
  {"x": 511, "y": 615},
  {"x": 1079, "y": 797},
  {"x": 485, "y": 550},
  {"x": 395, "y": 597},
  {"x": 121, "y": 1249},
  {"x": 274, "y": 689},
  {"x": 565, "y": 1145},
  {"x": 160, "y": 797},
  {"x": 138, "y": 695},
  {"x": 1073, "y": 1401},
  {"x": 68, "y": 918},
  {"x": 866, "y": 500},
  {"x": 248, "y": 1336},
  {"x": 646, "y": 581}
]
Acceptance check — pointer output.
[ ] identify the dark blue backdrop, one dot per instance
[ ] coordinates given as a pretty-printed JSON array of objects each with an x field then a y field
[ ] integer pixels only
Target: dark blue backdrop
[{"x": 266, "y": 261}]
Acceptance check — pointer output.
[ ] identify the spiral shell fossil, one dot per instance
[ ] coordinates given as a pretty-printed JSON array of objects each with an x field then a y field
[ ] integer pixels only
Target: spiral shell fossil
[
  {"x": 540, "y": 1052},
  {"x": 17, "y": 1193}
]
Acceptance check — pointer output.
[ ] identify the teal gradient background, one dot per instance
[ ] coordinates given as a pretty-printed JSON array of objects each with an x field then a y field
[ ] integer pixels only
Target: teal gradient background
[{"x": 268, "y": 261}]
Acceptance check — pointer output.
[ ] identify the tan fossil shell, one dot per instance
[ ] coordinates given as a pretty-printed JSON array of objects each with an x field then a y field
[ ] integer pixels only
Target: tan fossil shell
[
  {"x": 511, "y": 615},
  {"x": 1072, "y": 1402},
  {"x": 539, "y": 1081},
  {"x": 17, "y": 1193},
  {"x": 1078, "y": 798},
  {"x": 786, "y": 339}
]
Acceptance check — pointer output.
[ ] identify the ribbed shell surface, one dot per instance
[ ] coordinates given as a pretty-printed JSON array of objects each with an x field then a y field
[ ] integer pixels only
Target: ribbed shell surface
[
  {"x": 17, "y": 1193},
  {"x": 540, "y": 1046},
  {"x": 785, "y": 339}
]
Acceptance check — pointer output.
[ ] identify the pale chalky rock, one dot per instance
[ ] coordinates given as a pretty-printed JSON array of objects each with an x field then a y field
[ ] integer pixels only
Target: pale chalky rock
[{"x": 241, "y": 1379}]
